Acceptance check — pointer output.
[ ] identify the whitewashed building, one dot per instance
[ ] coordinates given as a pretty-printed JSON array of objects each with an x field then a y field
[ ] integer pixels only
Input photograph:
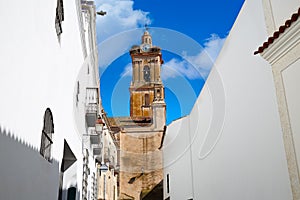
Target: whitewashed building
[
  {"x": 49, "y": 84},
  {"x": 108, "y": 163},
  {"x": 241, "y": 139}
]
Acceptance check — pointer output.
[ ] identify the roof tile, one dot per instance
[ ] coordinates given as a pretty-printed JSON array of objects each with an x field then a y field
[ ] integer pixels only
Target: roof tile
[{"x": 276, "y": 34}]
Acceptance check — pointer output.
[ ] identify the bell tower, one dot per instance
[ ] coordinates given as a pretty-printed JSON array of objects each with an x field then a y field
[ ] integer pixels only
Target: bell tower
[
  {"x": 141, "y": 135},
  {"x": 146, "y": 86}
]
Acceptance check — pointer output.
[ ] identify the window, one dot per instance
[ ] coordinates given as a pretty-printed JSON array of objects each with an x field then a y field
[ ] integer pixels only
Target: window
[
  {"x": 146, "y": 73},
  {"x": 112, "y": 160},
  {"x": 168, "y": 184},
  {"x": 59, "y": 17},
  {"x": 158, "y": 95},
  {"x": 77, "y": 93},
  {"x": 72, "y": 193},
  {"x": 114, "y": 194},
  {"x": 48, "y": 130},
  {"x": 147, "y": 100}
]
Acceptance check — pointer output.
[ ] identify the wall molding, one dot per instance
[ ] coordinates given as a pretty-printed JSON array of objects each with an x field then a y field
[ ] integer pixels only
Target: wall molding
[
  {"x": 281, "y": 54},
  {"x": 269, "y": 18},
  {"x": 283, "y": 44}
]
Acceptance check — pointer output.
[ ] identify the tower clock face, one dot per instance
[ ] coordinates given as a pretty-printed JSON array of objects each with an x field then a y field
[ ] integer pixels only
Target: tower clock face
[
  {"x": 145, "y": 47},
  {"x": 147, "y": 73}
]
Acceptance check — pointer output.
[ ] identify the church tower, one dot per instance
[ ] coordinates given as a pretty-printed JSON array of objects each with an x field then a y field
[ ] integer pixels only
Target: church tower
[
  {"x": 146, "y": 86},
  {"x": 141, "y": 134}
]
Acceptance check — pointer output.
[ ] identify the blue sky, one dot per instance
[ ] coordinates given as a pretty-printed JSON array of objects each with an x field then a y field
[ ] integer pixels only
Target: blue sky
[{"x": 190, "y": 34}]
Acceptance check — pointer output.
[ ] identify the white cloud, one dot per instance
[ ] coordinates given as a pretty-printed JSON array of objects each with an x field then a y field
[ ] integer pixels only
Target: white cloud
[
  {"x": 120, "y": 17},
  {"x": 213, "y": 45},
  {"x": 196, "y": 66},
  {"x": 127, "y": 71},
  {"x": 116, "y": 46},
  {"x": 176, "y": 67}
]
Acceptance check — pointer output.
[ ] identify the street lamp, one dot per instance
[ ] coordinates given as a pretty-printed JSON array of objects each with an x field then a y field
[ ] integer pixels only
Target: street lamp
[{"x": 103, "y": 168}]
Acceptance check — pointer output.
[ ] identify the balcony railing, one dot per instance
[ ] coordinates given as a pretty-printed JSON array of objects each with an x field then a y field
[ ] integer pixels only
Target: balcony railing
[
  {"x": 91, "y": 114},
  {"x": 94, "y": 137},
  {"x": 97, "y": 152},
  {"x": 92, "y": 95},
  {"x": 92, "y": 106},
  {"x": 94, "y": 143}
]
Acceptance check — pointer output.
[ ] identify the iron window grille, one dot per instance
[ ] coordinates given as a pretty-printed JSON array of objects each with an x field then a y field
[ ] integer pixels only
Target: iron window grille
[
  {"x": 48, "y": 130},
  {"x": 59, "y": 17}
]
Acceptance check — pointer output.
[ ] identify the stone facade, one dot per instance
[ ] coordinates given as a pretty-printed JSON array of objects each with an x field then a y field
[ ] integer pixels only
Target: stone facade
[{"x": 141, "y": 163}]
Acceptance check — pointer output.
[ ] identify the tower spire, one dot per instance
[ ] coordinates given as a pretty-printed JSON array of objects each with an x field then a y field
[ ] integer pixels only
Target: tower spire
[{"x": 146, "y": 38}]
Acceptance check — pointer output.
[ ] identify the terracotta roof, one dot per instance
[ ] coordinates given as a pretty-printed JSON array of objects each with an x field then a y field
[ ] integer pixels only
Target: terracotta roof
[{"x": 276, "y": 34}]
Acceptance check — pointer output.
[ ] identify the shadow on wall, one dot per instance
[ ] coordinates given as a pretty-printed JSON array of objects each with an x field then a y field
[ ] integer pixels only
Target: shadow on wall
[{"x": 24, "y": 173}]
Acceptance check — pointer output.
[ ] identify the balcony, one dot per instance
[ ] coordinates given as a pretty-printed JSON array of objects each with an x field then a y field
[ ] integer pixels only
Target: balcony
[
  {"x": 91, "y": 114},
  {"x": 92, "y": 105},
  {"x": 94, "y": 137},
  {"x": 97, "y": 152},
  {"x": 95, "y": 141}
]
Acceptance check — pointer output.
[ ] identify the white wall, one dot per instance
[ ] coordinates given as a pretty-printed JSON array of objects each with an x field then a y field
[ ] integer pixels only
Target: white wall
[
  {"x": 38, "y": 72},
  {"x": 178, "y": 166},
  {"x": 283, "y": 10},
  {"x": 236, "y": 148},
  {"x": 291, "y": 83}
]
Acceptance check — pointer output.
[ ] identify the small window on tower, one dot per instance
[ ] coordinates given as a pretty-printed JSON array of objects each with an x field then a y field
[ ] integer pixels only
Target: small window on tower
[
  {"x": 147, "y": 73},
  {"x": 158, "y": 93},
  {"x": 147, "y": 100}
]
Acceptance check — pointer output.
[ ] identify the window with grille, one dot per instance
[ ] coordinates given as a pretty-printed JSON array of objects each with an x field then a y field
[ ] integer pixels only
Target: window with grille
[
  {"x": 59, "y": 17},
  {"x": 47, "y": 132}
]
